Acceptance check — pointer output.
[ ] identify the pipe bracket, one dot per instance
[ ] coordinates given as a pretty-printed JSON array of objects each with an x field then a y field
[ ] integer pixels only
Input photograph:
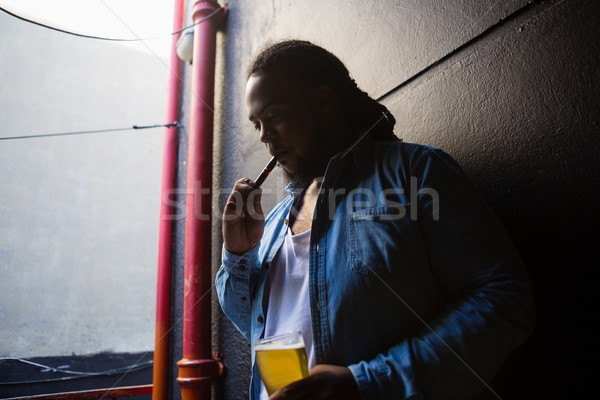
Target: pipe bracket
[{"x": 193, "y": 373}]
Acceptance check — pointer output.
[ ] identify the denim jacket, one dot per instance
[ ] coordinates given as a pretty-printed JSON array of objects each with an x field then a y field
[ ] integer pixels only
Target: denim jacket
[{"x": 414, "y": 284}]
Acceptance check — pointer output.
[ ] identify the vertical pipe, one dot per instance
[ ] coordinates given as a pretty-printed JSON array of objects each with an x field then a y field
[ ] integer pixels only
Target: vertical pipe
[
  {"x": 197, "y": 368},
  {"x": 162, "y": 341}
]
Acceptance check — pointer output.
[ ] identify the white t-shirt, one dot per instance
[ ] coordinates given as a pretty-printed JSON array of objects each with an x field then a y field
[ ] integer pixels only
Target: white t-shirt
[{"x": 289, "y": 306}]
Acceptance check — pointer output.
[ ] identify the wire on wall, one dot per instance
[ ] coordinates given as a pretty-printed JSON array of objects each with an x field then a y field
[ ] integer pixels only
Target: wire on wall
[
  {"x": 134, "y": 127},
  {"x": 73, "y": 374},
  {"x": 105, "y": 38}
]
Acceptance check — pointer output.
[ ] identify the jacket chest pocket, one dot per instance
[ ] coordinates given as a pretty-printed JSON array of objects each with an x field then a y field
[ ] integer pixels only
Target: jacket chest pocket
[{"x": 385, "y": 242}]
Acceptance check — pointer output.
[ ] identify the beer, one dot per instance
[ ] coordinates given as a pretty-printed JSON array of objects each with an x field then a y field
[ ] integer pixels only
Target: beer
[{"x": 281, "y": 360}]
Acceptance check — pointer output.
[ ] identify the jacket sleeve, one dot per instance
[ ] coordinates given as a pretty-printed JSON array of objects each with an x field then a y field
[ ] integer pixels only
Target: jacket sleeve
[
  {"x": 234, "y": 283},
  {"x": 489, "y": 309}
]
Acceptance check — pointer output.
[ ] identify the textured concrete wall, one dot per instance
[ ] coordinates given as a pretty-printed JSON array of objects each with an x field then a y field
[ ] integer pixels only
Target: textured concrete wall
[
  {"x": 509, "y": 88},
  {"x": 79, "y": 214}
]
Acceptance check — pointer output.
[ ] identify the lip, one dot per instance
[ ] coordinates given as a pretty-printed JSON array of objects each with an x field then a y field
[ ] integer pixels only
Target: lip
[{"x": 280, "y": 154}]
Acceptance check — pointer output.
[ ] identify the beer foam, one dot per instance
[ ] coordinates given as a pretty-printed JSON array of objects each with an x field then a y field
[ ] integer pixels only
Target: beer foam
[{"x": 278, "y": 346}]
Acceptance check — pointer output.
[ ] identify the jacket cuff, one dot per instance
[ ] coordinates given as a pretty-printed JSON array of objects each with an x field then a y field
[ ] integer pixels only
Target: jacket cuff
[
  {"x": 385, "y": 377},
  {"x": 366, "y": 382},
  {"x": 239, "y": 264}
]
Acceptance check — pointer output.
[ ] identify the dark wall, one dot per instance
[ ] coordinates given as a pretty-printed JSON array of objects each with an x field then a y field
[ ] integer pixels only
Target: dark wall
[{"x": 518, "y": 107}]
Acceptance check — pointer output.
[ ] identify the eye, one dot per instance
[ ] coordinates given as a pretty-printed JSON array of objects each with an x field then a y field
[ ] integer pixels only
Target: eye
[{"x": 275, "y": 115}]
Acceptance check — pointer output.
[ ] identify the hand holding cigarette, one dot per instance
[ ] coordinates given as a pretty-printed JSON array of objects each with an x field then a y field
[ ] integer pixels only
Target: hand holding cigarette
[{"x": 243, "y": 217}]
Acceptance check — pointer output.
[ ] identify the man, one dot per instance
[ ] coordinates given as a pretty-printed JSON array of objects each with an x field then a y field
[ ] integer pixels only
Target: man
[{"x": 400, "y": 278}]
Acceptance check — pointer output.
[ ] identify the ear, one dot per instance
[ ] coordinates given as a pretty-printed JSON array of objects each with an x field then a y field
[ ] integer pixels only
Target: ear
[{"x": 324, "y": 99}]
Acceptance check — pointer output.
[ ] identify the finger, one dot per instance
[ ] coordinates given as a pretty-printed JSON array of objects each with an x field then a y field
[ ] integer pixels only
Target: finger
[
  {"x": 306, "y": 388},
  {"x": 253, "y": 205},
  {"x": 234, "y": 208},
  {"x": 241, "y": 189},
  {"x": 245, "y": 184}
]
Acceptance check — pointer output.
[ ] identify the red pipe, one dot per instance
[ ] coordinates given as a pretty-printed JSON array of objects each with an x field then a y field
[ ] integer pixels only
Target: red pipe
[
  {"x": 162, "y": 341},
  {"x": 197, "y": 368}
]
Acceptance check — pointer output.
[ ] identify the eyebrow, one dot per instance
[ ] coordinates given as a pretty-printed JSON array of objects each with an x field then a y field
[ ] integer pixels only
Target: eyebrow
[{"x": 272, "y": 103}]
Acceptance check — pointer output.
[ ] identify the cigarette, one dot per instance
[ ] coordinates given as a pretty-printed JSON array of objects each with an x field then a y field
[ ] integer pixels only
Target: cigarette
[{"x": 265, "y": 172}]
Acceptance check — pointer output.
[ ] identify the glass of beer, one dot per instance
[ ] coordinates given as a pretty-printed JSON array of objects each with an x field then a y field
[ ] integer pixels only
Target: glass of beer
[{"x": 281, "y": 360}]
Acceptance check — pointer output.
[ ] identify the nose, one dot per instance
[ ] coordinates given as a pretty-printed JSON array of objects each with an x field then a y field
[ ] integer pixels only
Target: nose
[{"x": 266, "y": 134}]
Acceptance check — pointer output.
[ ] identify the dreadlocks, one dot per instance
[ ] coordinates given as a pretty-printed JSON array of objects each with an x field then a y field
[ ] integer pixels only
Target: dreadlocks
[{"x": 312, "y": 65}]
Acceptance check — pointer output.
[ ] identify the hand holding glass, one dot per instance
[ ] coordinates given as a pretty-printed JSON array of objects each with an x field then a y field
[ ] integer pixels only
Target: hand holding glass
[{"x": 281, "y": 360}]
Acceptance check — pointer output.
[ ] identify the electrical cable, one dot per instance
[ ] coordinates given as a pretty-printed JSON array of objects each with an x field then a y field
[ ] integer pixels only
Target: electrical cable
[
  {"x": 105, "y": 38},
  {"x": 74, "y": 374},
  {"x": 134, "y": 127}
]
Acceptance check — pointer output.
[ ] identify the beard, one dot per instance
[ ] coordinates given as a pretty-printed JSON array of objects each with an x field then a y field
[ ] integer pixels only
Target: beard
[
  {"x": 310, "y": 169},
  {"x": 312, "y": 165}
]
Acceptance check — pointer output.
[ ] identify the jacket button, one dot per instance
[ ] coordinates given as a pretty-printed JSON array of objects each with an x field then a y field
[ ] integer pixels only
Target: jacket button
[
  {"x": 260, "y": 319},
  {"x": 285, "y": 221},
  {"x": 242, "y": 267}
]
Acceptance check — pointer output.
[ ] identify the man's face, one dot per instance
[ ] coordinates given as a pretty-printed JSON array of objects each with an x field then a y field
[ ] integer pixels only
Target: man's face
[{"x": 285, "y": 115}]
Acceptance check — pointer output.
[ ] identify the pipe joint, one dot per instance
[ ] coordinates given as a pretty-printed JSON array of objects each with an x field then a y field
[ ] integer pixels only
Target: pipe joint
[{"x": 196, "y": 373}]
